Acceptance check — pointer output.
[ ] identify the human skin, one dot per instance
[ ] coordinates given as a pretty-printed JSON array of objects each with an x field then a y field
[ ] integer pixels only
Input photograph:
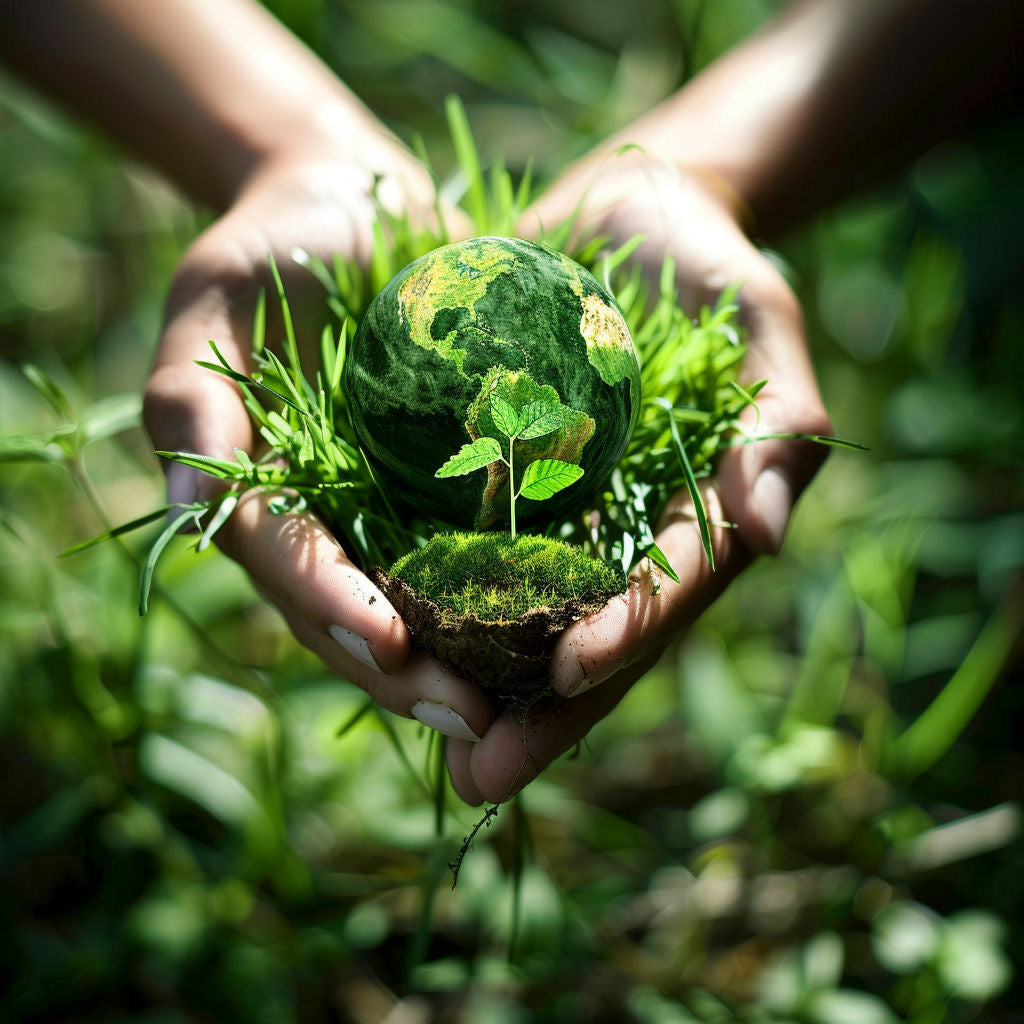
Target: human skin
[{"x": 242, "y": 116}]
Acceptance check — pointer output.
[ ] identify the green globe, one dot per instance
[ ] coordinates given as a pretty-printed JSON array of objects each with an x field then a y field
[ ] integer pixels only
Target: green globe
[{"x": 485, "y": 317}]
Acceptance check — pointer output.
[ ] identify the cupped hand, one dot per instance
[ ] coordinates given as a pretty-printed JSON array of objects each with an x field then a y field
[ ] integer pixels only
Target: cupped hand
[
  {"x": 322, "y": 203},
  {"x": 689, "y": 216}
]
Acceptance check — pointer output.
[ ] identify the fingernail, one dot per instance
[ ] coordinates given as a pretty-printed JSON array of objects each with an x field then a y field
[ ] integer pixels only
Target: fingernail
[
  {"x": 182, "y": 484},
  {"x": 597, "y": 676},
  {"x": 443, "y": 719},
  {"x": 773, "y": 502},
  {"x": 182, "y": 489},
  {"x": 354, "y": 644}
]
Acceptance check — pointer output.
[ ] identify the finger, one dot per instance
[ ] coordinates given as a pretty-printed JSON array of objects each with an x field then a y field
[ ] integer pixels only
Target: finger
[
  {"x": 760, "y": 481},
  {"x": 306, "y": 573},
  {"x": 513, "y": 753},
  {"x": 458, "y": 754},
  {"x": 654, "y": 607},
  {"x": 187, "y": 407},
  {"x": 342, "y": 616},
  {"x": 421, "y": 689}
]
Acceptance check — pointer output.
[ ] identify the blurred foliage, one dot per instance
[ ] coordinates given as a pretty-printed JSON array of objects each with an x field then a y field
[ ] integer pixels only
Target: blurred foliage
[{"x": 810, "y": 811}]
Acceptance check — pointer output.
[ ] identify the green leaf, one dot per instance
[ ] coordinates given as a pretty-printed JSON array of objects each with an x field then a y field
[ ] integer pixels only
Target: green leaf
[
  {"x": 469, "y": 162},
  {"x": 33, "y": 448},
  {"x": 354, "y": 719},
  {"x": 939, "y": 726},
  {"x": 613, "y": 261},
  {"x": 187, "y": 519},
  {"x": 825, "y": 439},
  {"x": 247, "y": 382},
  {"x": 208, "y": 464},
  {"x": 481, "y": 452},
  {"x": 339, "y": 357},
  {"x": 316, "y": 267},
  {"x": 227, "y": 505},
  {"x": 504, "y": 414},
  {"x": 291, "y": 346},
  {"x": 749, "y": 397},
  {"x": 48, "y": 388},
  {"x": 539, "y": 418},
  {"x": 546, "y": 477},
  {"x": 111, "y": 415},
  {"x": 660, "y": 559},
  {"x": 691, "y": 485},
  {"x": 259, "y": 323},
  {"x": 243, "y": 460},
  {"x": 118, "y": 530}
]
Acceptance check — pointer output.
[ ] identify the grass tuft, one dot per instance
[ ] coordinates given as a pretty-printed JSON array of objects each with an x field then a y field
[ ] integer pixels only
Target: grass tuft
[{"x": 690, "y": 408}]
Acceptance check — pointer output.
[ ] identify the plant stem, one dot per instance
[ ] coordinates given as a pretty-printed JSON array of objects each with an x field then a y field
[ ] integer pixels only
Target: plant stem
[{"x": 512, "y": 487}]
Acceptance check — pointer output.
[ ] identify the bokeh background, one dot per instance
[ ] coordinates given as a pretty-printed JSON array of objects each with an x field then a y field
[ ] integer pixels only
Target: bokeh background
[{"x": 809, "y": 812}]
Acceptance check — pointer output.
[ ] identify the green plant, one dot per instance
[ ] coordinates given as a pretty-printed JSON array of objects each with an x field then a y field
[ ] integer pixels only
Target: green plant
[
  {"x": 541, "y": 478},
  {"x": 497, "y": 577}
]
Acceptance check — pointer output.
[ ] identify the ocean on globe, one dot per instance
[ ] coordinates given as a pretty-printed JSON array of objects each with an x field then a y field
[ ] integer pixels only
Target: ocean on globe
[{"x": 470, "y": 320}]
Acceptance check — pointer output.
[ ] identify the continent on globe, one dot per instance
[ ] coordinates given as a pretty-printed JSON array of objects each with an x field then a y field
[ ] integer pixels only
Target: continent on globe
[{"x": 489, "y": 316}]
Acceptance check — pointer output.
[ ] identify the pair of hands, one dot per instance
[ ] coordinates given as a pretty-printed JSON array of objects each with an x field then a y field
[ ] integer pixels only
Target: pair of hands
[{"x": 323, "y": 203}]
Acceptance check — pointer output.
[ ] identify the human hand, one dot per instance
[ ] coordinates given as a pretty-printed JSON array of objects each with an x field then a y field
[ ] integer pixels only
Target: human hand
[
  {"x": 323, "y": 203},
  {"x": 689, "y": 216}
]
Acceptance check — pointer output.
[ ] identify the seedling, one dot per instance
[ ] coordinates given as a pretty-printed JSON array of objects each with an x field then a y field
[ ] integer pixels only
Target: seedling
[{"x": 541, "y": 478}]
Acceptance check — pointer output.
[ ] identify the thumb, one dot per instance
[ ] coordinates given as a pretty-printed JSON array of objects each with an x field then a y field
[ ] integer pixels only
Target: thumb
[
  {"x": 760, "y": 481},
  {"x": 188, "y": 407}
]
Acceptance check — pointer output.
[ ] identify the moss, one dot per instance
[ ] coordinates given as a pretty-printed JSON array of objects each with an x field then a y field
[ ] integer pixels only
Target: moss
[
  {"x": 492, "y": 608},
  {"x": 498, "y": 579}
]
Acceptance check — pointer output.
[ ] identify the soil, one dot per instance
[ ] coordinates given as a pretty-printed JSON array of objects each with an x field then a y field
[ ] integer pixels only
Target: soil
[{"x": 508, "y": 660}]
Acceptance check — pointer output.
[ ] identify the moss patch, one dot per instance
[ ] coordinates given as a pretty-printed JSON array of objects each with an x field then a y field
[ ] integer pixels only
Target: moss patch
[{"x": 491, "y": 608}]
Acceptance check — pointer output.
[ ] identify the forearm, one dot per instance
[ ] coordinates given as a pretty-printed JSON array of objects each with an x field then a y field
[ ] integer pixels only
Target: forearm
[
  {"x": 831, "y": 96},
  {"x": 208, "y": 90}
]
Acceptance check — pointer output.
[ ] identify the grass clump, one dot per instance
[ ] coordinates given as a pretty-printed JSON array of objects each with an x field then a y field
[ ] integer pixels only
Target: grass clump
[{"x": 498, "y": 578}]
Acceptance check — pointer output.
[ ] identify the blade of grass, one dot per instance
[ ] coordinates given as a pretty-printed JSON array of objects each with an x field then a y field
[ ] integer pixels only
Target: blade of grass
[
  {"x": 691, "y": 485},
  {"x": 227, "y": 505},
  {"x": 49, "y": 389},
  {"x": 250, "y": 382},
  {"x": 614, "y": 260},
  {"x": 316, "y": 267},
  {"x": 117, "y": 531},
  {"x": 660, "y": 559},
  {"x": 832, "y": 442},
  {"x": 207, "y": 463},
  {"x": 291, "y": 346},
  {"x": 469, "y": 160},
  {"x": 339, "y": 358},
  {"x": 350, "y": 723},
  {"x": 941, "y": 723},
  {"x": 396, "y": 743},
  {"x": 170, "y": 531},
  {"x": 259, "y": 323}
]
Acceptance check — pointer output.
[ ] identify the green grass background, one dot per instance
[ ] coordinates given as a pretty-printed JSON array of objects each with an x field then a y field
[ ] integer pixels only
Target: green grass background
[{"x": 809, "y": 812}]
